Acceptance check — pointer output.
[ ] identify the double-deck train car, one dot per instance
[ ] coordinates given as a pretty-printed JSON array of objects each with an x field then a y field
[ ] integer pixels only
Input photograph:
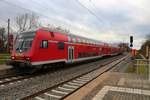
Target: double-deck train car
[{"x": 35, "y": 49}]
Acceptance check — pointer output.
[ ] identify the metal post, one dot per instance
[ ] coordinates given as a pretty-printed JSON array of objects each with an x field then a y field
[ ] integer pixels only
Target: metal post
[
  {"x": 8, "y": 35},
  {"x": 147, "y": 52},
  {"x": 149, "y": 66},
  {"x": 137, "y": 66}
]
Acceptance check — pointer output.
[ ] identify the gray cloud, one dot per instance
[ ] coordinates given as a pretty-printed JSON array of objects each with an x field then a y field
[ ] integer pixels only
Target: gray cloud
[{"x": 118, "y": 19}]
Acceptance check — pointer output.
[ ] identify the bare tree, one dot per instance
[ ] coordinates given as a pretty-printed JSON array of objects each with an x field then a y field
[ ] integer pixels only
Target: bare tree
[
  {"x": 148, "y": 37},
  {"x": 27, "y": 21},
  {"x": 58, "y": 29},
  {"x": 124, "y": 45},
  {"x": 3, "y": 39},
  {"x": 145, "y": 44}
]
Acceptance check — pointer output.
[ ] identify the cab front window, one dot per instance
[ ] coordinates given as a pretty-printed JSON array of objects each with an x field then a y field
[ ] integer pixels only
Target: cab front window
[
  {"x": 27, "y": 45},
  {"x": 24, "y": 42}
]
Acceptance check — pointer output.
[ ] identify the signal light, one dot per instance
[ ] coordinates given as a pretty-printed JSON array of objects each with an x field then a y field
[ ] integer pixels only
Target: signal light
[
  {"x": 12, "y": 57},
  {"x": 131, "y": 41},
  {"x": 27, "y": 58},
  {"x": 131, "y": 45}
]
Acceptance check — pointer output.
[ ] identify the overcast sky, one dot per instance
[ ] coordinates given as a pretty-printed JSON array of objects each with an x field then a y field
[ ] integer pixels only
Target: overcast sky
[{"x": 106, "y": 20}]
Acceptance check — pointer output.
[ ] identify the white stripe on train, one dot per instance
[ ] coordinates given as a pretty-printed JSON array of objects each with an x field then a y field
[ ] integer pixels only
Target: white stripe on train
[{"x": 64, "y": 60}]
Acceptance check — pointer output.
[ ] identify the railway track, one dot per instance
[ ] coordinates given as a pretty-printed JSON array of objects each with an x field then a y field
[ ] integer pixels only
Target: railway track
[
  {"x": 12, "y": 79},
  {"x": 64, "y": 89}
]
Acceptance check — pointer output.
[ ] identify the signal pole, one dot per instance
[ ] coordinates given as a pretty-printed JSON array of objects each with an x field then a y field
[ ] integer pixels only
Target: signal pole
[
  {"x": 149, "y": 65},
  {"x": 147, "y": 52},
  {"x": 131, "y": 44},
  {"x": 8, "y": 34},
  {"x": 131, "y": 41}
]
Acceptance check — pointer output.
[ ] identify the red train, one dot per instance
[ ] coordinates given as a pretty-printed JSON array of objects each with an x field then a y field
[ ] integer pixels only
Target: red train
[{"x": 43, "y": 46}]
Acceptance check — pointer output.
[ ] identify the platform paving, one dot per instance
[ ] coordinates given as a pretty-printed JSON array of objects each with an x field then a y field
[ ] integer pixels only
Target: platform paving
[
  {"x": 118, "y": 93},
  {"x": 3, "y": 67},
  {"x": 5, "y": 70},
  {"x": 121, "y": 86},
  {"x": 115, "y": 86}
]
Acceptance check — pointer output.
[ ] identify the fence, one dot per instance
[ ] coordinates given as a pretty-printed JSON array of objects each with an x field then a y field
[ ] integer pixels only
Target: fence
[{"x": 143, "y": 66}]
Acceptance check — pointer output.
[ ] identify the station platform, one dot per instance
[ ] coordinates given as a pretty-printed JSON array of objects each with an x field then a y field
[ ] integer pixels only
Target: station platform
[
  {"x": 4, "y": 67},
  {"x": 5, "y": 70},
  {"x": 114, "y": 86}
]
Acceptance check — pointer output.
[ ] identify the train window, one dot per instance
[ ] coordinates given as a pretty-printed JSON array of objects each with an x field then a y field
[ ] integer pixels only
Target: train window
[
  {"x": 61, "y": 45},
  {"x": 100, "y": 49},
  {"x": 44, "y": 44},
  {"x": 74, "y": 40},
  {"x": 69, "y": 39},
  {"x": 83, "y": 41},
  {"x": 79, "y": 55},
  {"x": 79, "y": 40},
  {"x": 27, "y": 44}
]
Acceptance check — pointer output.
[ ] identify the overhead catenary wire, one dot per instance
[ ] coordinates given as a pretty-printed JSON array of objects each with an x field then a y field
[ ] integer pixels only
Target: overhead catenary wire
[
  {"x": 38, "y": 13},
  {"x": 109, "y": 22},
  {"x": 4, "y": 25},
  {"x": 91, "y": 12},
  {"x": 100, "y": 20},
  {"x": 94, "y": 6},
  {"x": 97, "y": 16},
  {"x": 18, "y": 6},
  {"x": 46, "y": 8}
]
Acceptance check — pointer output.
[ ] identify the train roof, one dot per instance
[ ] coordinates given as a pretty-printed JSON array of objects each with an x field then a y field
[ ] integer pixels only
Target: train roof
[
  {"x": 73, "y": 35},
  {"x": 70, "y": 35}
]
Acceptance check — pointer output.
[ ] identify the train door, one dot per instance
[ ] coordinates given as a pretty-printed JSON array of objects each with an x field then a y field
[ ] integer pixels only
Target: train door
[{"x": 70, "y": 53}]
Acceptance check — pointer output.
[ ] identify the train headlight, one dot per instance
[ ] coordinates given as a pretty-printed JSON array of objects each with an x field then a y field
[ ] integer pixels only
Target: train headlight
[
  {"x": 28, "y": 58},
  {"x": 13, "y": 57}
]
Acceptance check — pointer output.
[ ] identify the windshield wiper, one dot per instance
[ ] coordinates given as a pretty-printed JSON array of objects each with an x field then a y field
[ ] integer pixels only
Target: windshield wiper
[{"x": 17, "y": 49}]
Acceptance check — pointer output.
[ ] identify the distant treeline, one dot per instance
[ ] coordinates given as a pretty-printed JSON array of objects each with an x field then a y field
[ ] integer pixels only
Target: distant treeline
[{"x": 145, "y": 45}]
